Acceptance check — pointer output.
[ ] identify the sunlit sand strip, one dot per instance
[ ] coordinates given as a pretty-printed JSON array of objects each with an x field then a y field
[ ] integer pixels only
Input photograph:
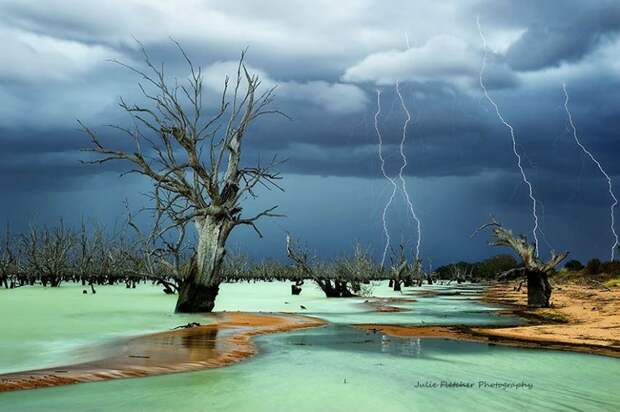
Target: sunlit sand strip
[
  {"x": 226, "y": 341},
  {"x": 581, "y": 316}
]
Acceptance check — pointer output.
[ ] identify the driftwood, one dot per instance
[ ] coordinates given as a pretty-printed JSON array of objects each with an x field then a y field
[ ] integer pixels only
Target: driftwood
[{"x": 187, "y": 326}]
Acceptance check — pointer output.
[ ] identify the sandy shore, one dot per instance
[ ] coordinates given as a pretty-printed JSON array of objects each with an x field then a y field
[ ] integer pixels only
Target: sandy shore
[
  {"x": 226, "y": 341},
  {"x": 580, "y": 316},
  {"x": 582, "y": 319}
]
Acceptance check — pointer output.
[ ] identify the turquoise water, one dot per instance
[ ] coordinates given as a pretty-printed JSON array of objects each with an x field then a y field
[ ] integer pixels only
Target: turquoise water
[
  {"x": 338, "y": 368},
  {"x": 276, "y": 297},
  {"x": 44, "y": 327}
]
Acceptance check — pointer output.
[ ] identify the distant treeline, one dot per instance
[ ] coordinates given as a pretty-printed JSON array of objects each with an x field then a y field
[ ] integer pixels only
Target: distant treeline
[
  {"x": 594, "y": 267},
  {"x": 486, "y": 269},
  {"x": 49, "y": 256},
  {"x": 493, "y": 267}
]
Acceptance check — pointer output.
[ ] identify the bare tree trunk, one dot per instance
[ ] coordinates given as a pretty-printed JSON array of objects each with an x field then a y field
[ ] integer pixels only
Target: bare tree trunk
[
  {"x": 538, "y": 290},
  {"x": 296, "y": 289},
  {"x": 535, "y": 270},
  {"x": 212, "y": 235},
  {"x": 201, "y": 286},
  {"x": 327, "y": 288},
  {"x": 195, "y": 297},
  {"x": 342, "y": 289},
  {"x": 335, "y": 288}
]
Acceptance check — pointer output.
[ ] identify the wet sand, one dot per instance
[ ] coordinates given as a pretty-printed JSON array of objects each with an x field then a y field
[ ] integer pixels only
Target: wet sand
[
  {"x": 582, "y": 319},
  {"x": 224, "y": 342}
]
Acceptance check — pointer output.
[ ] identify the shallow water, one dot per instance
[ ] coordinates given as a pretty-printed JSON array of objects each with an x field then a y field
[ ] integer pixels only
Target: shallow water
[
  {"x": 335, "y": 368},
  {"x": 44, "y": 327},
  {"x": 448, "y": 309}
]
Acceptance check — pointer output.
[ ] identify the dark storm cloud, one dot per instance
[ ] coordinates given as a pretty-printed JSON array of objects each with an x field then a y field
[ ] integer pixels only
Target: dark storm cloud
[
  {"x": 55, "y": 162},
  {"x": 556, "y": 32},
  {"x": 460, "y": 157},
  {"x": 544, "y": 46}
]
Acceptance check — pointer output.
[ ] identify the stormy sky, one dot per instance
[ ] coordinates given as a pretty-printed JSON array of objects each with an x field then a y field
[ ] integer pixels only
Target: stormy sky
[{"x": 328, "y": 59}]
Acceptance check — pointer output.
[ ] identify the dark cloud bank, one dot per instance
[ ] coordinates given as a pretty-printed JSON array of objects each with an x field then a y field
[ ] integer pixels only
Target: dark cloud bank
[{"x": 461, "y": 168}]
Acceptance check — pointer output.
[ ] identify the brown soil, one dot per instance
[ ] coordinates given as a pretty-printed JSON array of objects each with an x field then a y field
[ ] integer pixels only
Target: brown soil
[
  {"x": 579, "y": 316},
  {"x": 226, "y": 341}
]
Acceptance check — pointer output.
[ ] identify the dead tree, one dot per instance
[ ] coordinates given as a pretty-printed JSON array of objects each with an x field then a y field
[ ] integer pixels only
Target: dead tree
[
  {"x": 117, "y": 258},
  {"x": 405, "y": 274},
  {"x": 194, "y": 161},
  {"x": 534, "y": 270},
  {"x": 356, "y": 269},
  {"x": 333, "y": 286},
  {"x": 400, "y": 270},
  {"x": 96, "y": 259},
  {"x": 162, "y": 255},
  {"x": 9, "y": 263},
  {"x": 457, "y": 274},
  {"x": 84, "y": 254},
  {"x": 429, "y": 277},
  {"x": 235, "y": 266},
  {"x": 46, "y": 252},
  {"x": 31, "y": 256}
]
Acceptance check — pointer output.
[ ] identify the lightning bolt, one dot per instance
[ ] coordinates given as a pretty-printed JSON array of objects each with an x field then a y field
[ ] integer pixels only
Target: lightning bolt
[
  {"x": 403, "y": 184},
  {"x": 512, "y": 134},
  {"x": 391, "y": 180},
  {"x": 600, "y": 168}
]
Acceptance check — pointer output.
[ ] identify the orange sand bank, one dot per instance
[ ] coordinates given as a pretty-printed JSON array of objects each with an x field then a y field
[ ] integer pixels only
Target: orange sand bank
[{"x": 224, "y": 342}]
